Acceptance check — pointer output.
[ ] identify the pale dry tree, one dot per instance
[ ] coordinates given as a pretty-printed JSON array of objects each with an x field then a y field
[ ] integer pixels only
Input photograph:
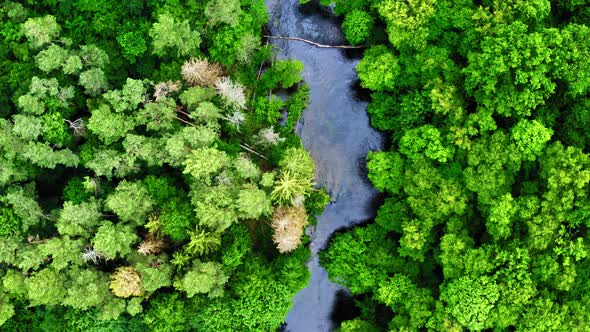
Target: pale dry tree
[
  {"x": 78, "y": 126},
  {"x": 200, "y": 72},
  {"x": 150, "y": 246},
  {"x": 288, "y": 224},
  {"x": 232, "y": 92},
  {"x": 91, "y": 255},
  {"x": 126, "y": 282},
  {"x": 163, "y": 89},
  {"x": 268, "y": 136},
  {"x": 237, "y": 118}
]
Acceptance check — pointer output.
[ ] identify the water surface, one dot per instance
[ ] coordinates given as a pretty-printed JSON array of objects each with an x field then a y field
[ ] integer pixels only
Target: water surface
[{"x": 335, "y": 130}]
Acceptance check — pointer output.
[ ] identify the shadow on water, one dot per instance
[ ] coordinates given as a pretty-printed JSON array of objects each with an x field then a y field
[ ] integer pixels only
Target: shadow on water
[
  {"x": 343, "y": 308},
  {"x": 336, "y": 132},
  {"x": 361, "y": 93},
  {"x": 314, "y": 7}
]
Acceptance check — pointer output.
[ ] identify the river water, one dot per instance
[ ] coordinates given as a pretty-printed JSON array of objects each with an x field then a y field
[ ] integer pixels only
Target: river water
[{"x": 335, "y": 130}]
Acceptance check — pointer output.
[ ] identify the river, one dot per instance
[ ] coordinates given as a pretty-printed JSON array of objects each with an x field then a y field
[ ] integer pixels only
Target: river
[{"x": 335, "y": 130}]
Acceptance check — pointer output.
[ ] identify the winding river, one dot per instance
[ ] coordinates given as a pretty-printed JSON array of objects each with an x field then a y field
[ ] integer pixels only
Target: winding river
[{"x": 335, "y": 130}]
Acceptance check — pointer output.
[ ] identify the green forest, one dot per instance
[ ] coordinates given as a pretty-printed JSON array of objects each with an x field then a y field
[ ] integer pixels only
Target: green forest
[
  {"x": 485, "y": 222},
  {"x": 145, "y": 182},
  {"x": 151, "y": 178}
]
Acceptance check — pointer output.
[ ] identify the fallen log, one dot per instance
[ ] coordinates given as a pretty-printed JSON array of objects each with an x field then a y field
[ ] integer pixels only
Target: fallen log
[{"x": 314, "y": 43}]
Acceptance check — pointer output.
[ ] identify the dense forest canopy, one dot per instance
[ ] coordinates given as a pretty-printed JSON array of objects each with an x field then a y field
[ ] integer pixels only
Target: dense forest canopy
[
  {"x": 145, "y": 182},
  {"x": 485, "y": 224}
]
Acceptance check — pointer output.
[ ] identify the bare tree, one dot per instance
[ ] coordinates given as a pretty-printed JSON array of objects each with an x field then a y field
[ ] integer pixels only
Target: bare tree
[
  {"x": 78, "y": 126},
  {"x": 232, "y": 92},
  {"x": 91, "y": 255},
  {"x": 268, "y": 136},
  {"x": 288, "y": 223},
  {"x": 201, "y": 72},
  {"x": 163, "y": 89}
]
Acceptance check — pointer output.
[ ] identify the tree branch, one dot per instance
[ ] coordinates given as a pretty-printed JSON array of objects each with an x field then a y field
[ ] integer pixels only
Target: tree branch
[
  {"x": 314, "y": 43},
  {"x": 245, "y": 147}
]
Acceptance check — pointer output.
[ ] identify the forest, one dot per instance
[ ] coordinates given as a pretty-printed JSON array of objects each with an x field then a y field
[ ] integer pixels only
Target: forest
[
  {"x": 150, "y": 177},
  {"x": 486, "y": 215}
]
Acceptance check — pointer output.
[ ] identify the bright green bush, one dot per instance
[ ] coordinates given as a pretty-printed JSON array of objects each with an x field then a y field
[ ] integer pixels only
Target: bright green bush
[{"x": 357, "y": 26}]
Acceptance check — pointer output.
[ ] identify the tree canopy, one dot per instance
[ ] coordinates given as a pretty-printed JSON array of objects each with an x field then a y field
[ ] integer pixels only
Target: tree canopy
[
  {"x": 138, "y": 171},
  {"x": 483, "y": 226}
]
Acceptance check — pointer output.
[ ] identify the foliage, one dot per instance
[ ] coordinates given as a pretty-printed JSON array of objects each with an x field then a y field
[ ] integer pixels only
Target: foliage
[
  {"x": 41, "y": 30},
  {"x": 114, "y": 240},
  {"x": 205, "y": 162},
  {"x": 228, "y": 12},
  {"x": 125, "y": 282},
  {"x": 378, "y": 70},
  {"x": 93, "y": 81},
  {"x": 289, "y": 187},
  {"x": 127, "y": 171},
  {"x": 253, "y": 203},
  {"x": 205, "y": 278},
  {"x": 126, "y": 192},
  {"x": 486, "y": 178},
  {"x": 357, "y": 26},
  {"x": 386, "y": 171},
  {"x": 283, "y": 74},
  {"x": 78, "y": 219},
  {"x": 172, "y": 37}
]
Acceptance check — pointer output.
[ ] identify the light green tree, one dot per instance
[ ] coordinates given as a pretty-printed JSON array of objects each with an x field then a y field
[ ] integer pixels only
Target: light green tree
[
  {"x": 170, "y": 37},
  {"x": 471, "y": 301},
  {"x": 203, "y": 163},
  {"x": 203, "y": 242},
  {"x": 94, "y": 81},
  {"x": 155, "y": 276},
  {"x": 298, "y": 162},
  {"x": 357, "y": 26},
  {"x": 246, "y": 169},
  {"x": 220, "y": 11},
  {"x": 425, "y": 140},
  {"x": 130, "y": 201},
  {"x": 45, "y": 287},
  {"x": 109, "y": 163},
  {"x": 72, "y": 65},
  {"x": 530, "y": 137},
  {"x": 159, "y": 115},
  {"x": 93, "y": 56},
  {"x": 24, "y": 205},
  {"x": 27, "y": 127},
  {"x": 86, "y": 288},
  {"x": 40, "y": 31},
  {"x": 64, "y": 252},
  {"x": 6, "y": 308},
  {"x": 13, "y": 283},
  {"x": 109, "y": 126},
  {"x": 78, "y": 219},
  {"x": 114, "y": 240},
  {"x": 51, "y": 58},
  {"x": 204, "y": 278},
  {"x": 41, "y": 154},
  {"x": 386, "y": 171},
  {"x": 378, "y": 70},
  {"x": 128, "y": 98},
  {"x": 501, "y": 217},
  {"x": 253, "y": 203}
]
